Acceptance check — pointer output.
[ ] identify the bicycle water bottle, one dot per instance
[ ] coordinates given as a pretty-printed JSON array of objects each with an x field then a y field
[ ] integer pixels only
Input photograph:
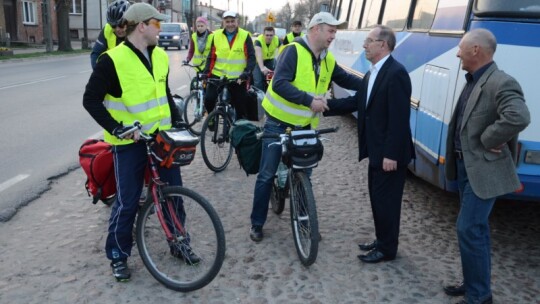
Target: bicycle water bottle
[{"x": 281, "y": 175}]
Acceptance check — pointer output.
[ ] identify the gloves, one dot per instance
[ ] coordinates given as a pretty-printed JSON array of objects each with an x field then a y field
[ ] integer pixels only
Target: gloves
[
  {"x": 244, "y": 76},
  {"x": 121, "y": 130},
  {"x": 185, "y": 62},
  {"x": 204, "y": 75}
]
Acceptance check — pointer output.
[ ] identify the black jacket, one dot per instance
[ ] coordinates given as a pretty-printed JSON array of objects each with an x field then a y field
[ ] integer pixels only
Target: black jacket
[
  {"x": 383, "y": 126},
  {"x": 104, "y": 80}
]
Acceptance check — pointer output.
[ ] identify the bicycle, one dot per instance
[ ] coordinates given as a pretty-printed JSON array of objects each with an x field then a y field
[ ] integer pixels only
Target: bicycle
[
  {"x": 300, "y": 150},
  {"x": 175, "y": 219},
  {"x": 194, "y": 104},
  {"x": 216, "y": 145}
]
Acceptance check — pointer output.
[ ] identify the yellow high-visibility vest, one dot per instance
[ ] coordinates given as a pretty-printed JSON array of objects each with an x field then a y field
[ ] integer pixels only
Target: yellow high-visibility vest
[
  {"x": 198, "y": 56},
  {"x": 230, "y": 61},
  {"x": 110, "y": 36},
  {"x": 293, "y": 113},
  {"x": 268, "y": 51},
  {"x": 144, "y": 97}
]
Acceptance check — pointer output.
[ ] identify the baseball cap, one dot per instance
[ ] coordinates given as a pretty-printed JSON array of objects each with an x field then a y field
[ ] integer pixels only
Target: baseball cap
[
  {"x": 229, "y": 14},
  {"x": 327, "y": 18},
  {"x": 140, "y": 12}
]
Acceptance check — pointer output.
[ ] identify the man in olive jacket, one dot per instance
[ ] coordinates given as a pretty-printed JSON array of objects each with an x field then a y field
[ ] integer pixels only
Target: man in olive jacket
[{"x": 480, "y": 154}]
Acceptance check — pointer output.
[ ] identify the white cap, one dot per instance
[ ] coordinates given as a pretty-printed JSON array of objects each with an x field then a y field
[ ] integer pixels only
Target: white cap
[
  {"x": 229, "y": 14},
  {"x": 326, "y": 18}
]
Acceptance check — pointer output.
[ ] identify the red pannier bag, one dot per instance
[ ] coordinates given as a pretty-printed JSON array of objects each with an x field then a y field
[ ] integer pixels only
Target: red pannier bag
[{"x": 96, "y": 159}]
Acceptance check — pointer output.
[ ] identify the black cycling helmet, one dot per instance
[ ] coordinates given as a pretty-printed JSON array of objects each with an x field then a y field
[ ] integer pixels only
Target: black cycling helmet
[{"x": 116, "y": 12}]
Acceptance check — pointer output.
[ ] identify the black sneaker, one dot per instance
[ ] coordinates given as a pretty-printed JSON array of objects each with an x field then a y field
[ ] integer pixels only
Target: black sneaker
[
  {"x": 185, "y": 253},
  {"x": 256, "y": 233},
  {"x": 120, "y": 270}
]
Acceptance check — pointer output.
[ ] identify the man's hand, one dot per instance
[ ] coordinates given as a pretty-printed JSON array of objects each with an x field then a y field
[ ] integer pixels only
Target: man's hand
[
  {"x": 389, "y": 165},
  {"x": 318, "y": 104},
  {"x": 265, "y": 70},
  {"x": 497, "y": 149},
  {"x": 119, "y": 132},
  {"x": 185, "y": 62}
]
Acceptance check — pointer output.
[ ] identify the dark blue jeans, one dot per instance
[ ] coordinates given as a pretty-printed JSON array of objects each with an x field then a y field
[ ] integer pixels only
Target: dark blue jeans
[
  {"x": 129, "y": 167},
  {"x": 258, "y": 77},
  {"x": 270, "y": 158},
  {"x": 474, "y": 239}
]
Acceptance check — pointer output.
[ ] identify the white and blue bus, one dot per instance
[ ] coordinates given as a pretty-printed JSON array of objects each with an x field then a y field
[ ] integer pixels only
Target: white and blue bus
[{"x": 428, "y": 33}]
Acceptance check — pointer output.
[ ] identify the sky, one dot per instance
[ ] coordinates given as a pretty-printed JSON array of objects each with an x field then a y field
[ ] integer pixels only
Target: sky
[{"x": 252, "y": 8}]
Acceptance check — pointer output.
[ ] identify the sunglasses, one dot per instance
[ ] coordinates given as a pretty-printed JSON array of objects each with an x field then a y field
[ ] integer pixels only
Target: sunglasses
[{"x": 155, "y": 22}]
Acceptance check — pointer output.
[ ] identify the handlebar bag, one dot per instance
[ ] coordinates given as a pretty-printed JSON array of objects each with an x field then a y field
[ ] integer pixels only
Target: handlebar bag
[
  {"x": 305, "y": 149},
  {"x": 175, "y": 147}
]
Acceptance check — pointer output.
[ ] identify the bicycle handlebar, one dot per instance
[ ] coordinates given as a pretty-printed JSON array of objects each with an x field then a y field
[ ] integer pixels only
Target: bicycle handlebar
[{"x": 263, "y": 135}]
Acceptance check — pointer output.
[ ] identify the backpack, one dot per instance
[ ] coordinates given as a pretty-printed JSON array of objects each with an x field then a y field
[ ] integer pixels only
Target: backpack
[
  {"x": 96, "y": 159},
  {"x": 247, "y": 146}
]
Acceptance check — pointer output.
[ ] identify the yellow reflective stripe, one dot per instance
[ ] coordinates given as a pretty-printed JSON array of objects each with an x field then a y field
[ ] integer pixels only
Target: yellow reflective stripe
[{"x": 286, "y": 108}]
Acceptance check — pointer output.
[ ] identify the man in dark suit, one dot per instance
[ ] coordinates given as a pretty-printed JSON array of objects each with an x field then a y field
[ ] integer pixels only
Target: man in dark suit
[
  {"x": 384, "y": 136},
  {"x": 480, "y": 150}
]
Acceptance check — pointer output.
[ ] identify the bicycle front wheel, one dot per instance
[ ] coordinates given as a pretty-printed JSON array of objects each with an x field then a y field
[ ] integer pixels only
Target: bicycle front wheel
[
  {"x": 194, "y": 113},
  {"x": 277, "y": 197},
  {"x": 305, "y": 225},
  {"x": 194, "y": 256},
  {"x": 216, "y": 145}
]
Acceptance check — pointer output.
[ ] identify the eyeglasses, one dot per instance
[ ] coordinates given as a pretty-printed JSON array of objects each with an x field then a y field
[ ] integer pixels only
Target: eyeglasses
[
  {"x": 369, "y": 40},
  {"x": 155, "y": 22}
]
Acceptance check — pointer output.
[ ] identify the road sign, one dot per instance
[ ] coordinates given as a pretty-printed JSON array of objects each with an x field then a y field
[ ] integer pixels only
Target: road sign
[{"x": 270, "y": 18}]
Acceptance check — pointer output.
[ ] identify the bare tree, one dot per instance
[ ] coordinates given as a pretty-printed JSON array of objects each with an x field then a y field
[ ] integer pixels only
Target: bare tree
[
  {"x": 285, "y": 15},
  {"x": 62, "y": 20}
]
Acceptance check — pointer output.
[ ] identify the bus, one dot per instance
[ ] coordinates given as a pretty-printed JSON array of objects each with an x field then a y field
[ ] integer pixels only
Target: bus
[{"x": 428, "y": 33}]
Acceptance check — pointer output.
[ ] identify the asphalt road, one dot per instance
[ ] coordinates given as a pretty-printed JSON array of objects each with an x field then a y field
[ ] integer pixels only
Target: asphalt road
[{"x": 44, "y": 122}]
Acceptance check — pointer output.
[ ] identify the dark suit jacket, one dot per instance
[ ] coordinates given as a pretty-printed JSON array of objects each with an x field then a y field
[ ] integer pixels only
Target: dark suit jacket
[{"x": 383, "y": 127}]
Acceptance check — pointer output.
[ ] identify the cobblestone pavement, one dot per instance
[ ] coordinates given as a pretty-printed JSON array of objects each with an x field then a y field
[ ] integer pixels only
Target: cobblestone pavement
[{"x": 52, "y": 250}]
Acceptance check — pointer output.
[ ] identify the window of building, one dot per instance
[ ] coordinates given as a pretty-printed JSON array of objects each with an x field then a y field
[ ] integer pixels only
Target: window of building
[
  {"x": 76, "y": 7},
  {"x": 29, "y": 12}
]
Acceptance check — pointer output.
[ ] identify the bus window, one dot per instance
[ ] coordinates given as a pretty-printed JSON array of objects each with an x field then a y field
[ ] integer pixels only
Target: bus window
[
  {"x": 343, "y": 10},
  {"x": 395, "y": 13},
  {"x": 424, "y": 12},
  {"x": 450, "y": 16},
  {"x": 356, "y": 11},
  {"x": 515, "y": 8},
  {"x": 371, "y": 15}
]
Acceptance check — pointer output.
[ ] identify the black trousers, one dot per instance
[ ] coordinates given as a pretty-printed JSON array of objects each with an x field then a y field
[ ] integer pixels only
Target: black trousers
[
  {"x": 243, "y": 103},
  {"x": 385, "y": 193}
]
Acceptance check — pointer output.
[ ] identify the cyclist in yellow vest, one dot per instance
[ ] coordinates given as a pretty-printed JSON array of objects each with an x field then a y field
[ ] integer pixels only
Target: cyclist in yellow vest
[
  {"x": 232, "y": 55},
  {"x": 296, "y": 31},
  {"x": 200, "y": 43},
  {"x": 266, "y": 47},
  {"x": 129, "y": 83},
  {"x": 114, "y": 31},
  {"x": 295, "y": 95}
]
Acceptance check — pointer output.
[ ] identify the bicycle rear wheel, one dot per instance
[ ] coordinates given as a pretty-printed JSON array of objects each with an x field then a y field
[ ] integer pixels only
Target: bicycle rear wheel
[
  {"x": 305, "y": 225},
  {"x": 216, "y": 145},
  {"x": 193, "y": 113},
  {"x": 202, "y": 233}
]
